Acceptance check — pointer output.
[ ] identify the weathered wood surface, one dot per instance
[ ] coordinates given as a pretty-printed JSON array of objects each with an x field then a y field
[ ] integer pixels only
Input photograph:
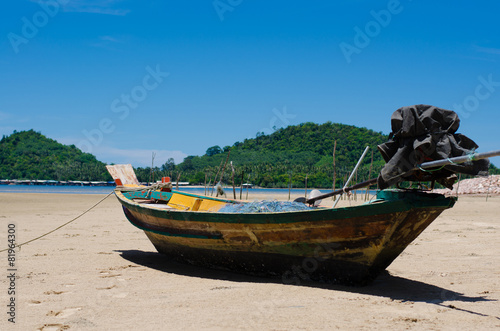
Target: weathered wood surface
[{"x": 364, "y": 239}]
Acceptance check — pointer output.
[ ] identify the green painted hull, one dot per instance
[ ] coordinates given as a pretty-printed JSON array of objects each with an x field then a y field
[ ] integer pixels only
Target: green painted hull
[{"x": 344, "y": 245}]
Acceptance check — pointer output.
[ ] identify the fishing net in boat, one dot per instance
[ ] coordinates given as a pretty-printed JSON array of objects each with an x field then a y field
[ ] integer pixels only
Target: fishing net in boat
[{"x": 263, "y": 206}]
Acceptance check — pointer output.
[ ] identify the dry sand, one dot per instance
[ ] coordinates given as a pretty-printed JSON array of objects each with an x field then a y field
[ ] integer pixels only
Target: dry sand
[{"x": 101, "y": 273}]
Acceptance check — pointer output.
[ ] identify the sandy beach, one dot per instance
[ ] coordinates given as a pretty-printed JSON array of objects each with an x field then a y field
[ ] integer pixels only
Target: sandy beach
[{"x": 101, "y": 273}]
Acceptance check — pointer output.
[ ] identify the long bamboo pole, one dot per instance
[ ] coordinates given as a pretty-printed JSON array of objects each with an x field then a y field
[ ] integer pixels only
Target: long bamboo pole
[
  {"x": 458, "y": 159},
  {"x": 334, "y": 167},
  {"x": 152, "y": 173},
  {"x": 247, "y": 186},
  {"x": 217, "y": 174},
  {"x": 305, "y": 193},
  {"x": 241, "y": 187},
  {"x": 369, "y": 175},
  {"x": 224, "y": 169},
  {"x": 178, "y": 178},
  {"x": 232, "y": 179},
  {"x": 353, "y": 172},
  {"x": 205, "y": 184}
]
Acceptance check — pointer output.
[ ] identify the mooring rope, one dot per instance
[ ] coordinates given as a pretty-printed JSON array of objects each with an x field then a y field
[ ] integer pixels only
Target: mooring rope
[{"x": 61, "y": 226}]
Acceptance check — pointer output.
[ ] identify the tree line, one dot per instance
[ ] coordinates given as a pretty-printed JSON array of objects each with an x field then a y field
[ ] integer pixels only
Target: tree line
[
  {"x": 297, "y": 155},
  {"x": 286, "y": 157},
  {"x": 31, "y": 155}
]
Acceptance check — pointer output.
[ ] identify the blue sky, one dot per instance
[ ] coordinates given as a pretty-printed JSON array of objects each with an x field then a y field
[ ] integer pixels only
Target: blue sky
[{"x": 122, "y": 78}]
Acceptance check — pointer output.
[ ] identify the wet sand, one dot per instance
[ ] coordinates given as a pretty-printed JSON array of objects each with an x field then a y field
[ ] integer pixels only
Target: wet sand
[{"x": 101, "y": 273}]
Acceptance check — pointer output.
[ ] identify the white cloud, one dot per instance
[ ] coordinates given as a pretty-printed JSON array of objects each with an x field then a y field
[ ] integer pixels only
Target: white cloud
[
  {"x": 106, "y": 7},
  {"x": 488, "y": 50},
  {"x": 107, "y": 42},
  {"x": 137, "y": 157},
  {"x": 4, "y": 116},
  {"x": 110, "y": 39}
]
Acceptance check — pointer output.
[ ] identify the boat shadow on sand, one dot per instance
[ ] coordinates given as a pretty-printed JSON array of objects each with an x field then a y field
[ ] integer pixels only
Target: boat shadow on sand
[{"x": 385, "y": 285}]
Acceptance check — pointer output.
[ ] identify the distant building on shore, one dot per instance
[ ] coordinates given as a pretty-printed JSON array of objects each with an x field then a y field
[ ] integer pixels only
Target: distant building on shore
[{"x": 54, "y": 182}]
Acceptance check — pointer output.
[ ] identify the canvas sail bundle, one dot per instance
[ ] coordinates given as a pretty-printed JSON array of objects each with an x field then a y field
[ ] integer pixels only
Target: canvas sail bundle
[{"x": 424, "y": 133}]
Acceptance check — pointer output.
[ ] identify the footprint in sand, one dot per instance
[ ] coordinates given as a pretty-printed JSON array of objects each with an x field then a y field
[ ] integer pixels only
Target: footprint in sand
[
  {"x": 120, "y": 295},
  {"x": 107, "y": 274},
  {"x": 54, "y": 327},
  {"x": 53, "y": 292},
  {"x": 110, "y": 275},
  {"x": 64, "y": 313},
  {"x": 112, "y": 291}
]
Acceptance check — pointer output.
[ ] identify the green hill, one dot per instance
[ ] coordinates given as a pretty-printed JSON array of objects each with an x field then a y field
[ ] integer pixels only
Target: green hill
[
  {"x": 31, "y": 155},
  {"x": 269, "y": 160}
]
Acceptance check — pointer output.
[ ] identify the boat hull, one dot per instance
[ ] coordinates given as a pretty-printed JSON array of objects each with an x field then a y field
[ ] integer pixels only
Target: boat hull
[{"x": 345, "y": 245}]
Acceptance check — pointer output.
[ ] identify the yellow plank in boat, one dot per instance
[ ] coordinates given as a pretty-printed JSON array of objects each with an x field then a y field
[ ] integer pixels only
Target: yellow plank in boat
[
  {"x": 185, "y": 202},
  {"x": 211, "y": 205}
]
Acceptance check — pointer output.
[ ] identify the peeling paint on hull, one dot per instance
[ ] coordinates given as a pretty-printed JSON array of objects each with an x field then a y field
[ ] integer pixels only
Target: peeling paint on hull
[{"x": 349, "y": 245}]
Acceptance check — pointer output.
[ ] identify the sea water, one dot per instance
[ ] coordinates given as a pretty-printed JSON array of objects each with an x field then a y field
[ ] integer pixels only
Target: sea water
[
  {"x": 56, "y": 189},
  {"x": 187, "y": 189}
]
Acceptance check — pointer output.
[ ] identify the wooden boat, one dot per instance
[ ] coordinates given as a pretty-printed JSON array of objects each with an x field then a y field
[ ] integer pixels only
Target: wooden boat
[{"x": 350, "y": 245}]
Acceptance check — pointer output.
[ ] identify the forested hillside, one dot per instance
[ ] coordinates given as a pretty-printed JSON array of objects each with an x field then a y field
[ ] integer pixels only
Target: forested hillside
[
  {"x": 296, "y": 151},
  {"x": 267, "y": 160},
  {"x": 31, "y": 155}
]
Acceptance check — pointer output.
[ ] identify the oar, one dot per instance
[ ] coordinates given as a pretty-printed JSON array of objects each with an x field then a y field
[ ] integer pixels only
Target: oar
[{"x": 425, "y": 165}]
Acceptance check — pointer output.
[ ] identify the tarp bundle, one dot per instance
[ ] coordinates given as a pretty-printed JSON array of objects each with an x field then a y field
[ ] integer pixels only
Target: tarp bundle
[{"x": 423, "y": 133}]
